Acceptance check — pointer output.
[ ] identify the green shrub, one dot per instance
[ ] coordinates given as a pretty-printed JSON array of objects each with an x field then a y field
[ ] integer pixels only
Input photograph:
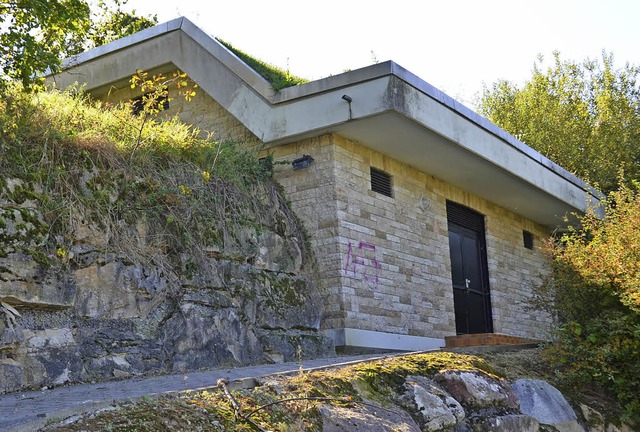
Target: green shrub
[{"x": 593, "y": 291}]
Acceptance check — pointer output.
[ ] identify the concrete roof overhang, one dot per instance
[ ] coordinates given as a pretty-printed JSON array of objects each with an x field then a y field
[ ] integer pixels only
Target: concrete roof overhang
[{"x": 391, "y": 111}]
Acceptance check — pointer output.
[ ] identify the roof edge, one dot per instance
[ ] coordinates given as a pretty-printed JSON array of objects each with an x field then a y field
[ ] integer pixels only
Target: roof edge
[
  {"x": 492, "y": 128},
  {"x": 125, "y": 42},
  {"x": 259, "y": 85},
  {"x": 228, "y": 58},
  {"x": 346, "y": 79}
]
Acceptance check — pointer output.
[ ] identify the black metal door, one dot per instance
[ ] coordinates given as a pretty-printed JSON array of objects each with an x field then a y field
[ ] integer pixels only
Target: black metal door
[{"x": 469, "y": 276}]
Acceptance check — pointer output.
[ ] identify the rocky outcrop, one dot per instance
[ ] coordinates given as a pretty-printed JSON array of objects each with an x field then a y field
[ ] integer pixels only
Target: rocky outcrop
[
  {"x": 545, "y": 403},
  {"x": 465, "y": 401},
  {"x": 96, "y": 312},
  {"x": 369, "y": 418}
]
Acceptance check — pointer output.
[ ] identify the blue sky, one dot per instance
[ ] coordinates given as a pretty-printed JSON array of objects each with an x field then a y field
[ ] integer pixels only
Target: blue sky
[{"x": 457, "y": 46}]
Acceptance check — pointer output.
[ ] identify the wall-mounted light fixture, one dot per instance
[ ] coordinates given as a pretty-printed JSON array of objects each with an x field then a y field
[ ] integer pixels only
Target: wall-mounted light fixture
[
  {"x": 349, "y": 100},
  {"x": 302, "y": 162}
]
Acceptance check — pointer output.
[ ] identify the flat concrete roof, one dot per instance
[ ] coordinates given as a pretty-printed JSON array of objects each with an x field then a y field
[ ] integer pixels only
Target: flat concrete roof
[{"x": 391, "y": 111}]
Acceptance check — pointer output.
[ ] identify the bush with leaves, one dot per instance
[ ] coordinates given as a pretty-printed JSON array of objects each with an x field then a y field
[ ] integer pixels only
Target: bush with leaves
[
  {"x": 583, "y": 115},
  {"x": 593, "y": 291}
]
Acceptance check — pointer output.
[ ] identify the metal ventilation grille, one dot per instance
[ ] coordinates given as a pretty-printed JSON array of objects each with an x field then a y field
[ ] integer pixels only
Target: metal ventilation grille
[
  {"x": 381, "y": 182},
  {"x": 465, "y": 216},
  {"x": 527, "y": 239}
]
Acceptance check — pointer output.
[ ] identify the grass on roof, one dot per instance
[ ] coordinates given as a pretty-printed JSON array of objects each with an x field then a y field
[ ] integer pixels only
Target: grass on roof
[{"x": 277, "y": 77}]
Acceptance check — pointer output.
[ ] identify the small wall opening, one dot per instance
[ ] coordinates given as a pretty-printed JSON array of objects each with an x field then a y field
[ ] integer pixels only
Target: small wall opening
[
  {"x": 527, "y": 239},
  {"x": 381, "y": 182}
]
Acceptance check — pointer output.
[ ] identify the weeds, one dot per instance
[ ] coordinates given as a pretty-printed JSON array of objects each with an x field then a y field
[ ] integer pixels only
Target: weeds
[
  {"x": 277, "y": 77},
  {"x": 151, "y": 192}
]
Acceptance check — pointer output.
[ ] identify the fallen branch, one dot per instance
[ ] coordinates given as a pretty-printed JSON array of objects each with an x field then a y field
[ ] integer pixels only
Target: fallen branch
[{"x": 222, "y": 383}]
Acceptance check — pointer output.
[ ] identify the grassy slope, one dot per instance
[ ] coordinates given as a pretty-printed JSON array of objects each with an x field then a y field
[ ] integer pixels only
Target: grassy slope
[{"x": 84, "y": 163}]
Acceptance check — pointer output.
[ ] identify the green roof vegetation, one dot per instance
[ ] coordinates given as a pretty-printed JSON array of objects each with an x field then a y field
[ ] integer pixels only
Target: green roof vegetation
[{"x": 277, "y": 77}]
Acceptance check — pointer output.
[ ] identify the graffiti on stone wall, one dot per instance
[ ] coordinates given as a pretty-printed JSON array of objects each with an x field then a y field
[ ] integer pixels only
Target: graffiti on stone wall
[{"x": 362, "y": 263}]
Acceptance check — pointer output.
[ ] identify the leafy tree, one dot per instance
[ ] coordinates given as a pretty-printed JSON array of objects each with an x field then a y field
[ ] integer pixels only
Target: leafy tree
[
  {"x": 593, "y": 291},
  {"x": 37, "y": 34},
  {"x": 584, "y": 116},
  {"x": 111, "y": 24}
]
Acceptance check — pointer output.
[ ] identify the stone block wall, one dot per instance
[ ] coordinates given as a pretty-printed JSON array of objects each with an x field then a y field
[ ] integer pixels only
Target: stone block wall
[
  {"x": 314, "y": 198},
  {"x": 201, "y": 111},
  {"x": 385, "y": 261}
]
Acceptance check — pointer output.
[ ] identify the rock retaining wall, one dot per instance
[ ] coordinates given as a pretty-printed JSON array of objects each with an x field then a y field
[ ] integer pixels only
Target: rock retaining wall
[{"x": 94, "y": 313}]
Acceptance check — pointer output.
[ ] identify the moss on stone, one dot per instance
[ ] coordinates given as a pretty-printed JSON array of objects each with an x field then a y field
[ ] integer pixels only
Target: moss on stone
[{"x": 292, "y": 403}]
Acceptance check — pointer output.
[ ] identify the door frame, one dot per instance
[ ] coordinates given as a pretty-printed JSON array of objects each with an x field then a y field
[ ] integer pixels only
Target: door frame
[{"x": 471, "y": 220}]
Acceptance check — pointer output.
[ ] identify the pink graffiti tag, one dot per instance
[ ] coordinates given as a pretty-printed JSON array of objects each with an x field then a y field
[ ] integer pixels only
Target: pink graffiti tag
[
  {"x": 348, "y": 260},
  {"x": 362, "y": 262},
  {"x": 365, "y": 245},
  {"x": 373, "y": 278}
]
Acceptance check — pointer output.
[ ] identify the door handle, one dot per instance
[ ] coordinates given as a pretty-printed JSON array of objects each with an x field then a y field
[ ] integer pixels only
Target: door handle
[{"x": 466, "y": 283}]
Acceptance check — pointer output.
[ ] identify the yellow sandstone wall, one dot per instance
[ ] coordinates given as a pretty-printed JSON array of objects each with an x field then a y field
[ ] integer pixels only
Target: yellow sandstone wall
[
  {"x": 201, "y": 111},
  {"x": 385, "y": 261}
]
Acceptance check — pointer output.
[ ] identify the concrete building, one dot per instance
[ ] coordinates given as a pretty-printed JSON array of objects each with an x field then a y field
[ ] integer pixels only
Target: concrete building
[{"x": 425, "y": 217}]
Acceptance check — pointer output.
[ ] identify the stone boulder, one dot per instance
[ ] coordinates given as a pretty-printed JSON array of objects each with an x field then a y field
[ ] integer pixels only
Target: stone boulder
[
  {"x": 434, "y": 408},
  {"x": 594, "y": 419},
  {"x": 366, "y": 418},
  {"x": 506, "y": 423},
  {"x": 476, "y": 390},
  {"x": 546, "y": 404}
]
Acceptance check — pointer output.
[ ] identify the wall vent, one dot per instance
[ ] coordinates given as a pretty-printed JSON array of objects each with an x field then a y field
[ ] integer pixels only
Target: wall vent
[
  {"x": 465, "y": 216},
  {"x": 527, "y": 239},
  {"x": 381, "y": 182}
]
